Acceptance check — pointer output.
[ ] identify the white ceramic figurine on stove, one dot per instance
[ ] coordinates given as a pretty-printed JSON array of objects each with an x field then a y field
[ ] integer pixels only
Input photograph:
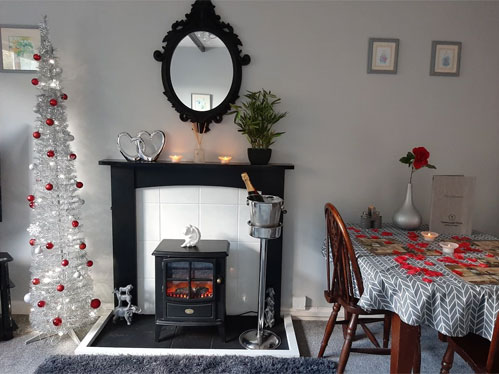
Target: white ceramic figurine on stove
[{"x": 192, "y": 236}]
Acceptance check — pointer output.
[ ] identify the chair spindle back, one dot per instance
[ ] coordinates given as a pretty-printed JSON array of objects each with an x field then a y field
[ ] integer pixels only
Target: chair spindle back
[{"x": 339, "y": 248}]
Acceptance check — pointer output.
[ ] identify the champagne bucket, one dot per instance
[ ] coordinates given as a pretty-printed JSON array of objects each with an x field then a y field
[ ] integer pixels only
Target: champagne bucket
[{"x": 266, "y": 214}]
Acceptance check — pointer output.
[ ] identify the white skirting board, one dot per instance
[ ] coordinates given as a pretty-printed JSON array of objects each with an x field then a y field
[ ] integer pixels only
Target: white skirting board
[{"x": 86, "y": 348}]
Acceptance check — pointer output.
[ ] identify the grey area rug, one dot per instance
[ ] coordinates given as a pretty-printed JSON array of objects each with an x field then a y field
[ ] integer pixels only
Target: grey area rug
[{"x": 184, "y": 364}]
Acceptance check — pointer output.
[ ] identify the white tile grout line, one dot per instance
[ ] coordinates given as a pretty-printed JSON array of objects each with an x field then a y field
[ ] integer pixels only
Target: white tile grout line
[{"x": 85, "y": 348}]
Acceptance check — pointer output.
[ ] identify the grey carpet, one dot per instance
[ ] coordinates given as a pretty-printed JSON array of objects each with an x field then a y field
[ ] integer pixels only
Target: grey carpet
[
  {"x": 184, "y": 364},
  {"x": 16, "y": 357}
]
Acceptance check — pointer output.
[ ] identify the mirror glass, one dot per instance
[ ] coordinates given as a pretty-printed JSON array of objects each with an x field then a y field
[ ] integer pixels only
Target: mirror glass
[{"x": 201, "y": 71}]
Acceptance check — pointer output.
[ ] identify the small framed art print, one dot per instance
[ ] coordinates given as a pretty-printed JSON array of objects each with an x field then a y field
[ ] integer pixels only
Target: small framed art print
[
  {"x": 382, "y": 56},
  {"x": 445, "y": 58},
  {"x": 19, "y": 44},
  {"x": 201, "y": 102}
]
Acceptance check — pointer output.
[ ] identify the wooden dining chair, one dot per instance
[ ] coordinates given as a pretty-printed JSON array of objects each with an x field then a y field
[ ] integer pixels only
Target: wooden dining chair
[
  {"x": 481, "y": 354},
  {"x": 340, "y": 292}
]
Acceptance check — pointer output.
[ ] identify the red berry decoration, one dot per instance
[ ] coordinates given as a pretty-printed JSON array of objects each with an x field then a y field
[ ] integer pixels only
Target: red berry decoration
[
  {"x": 49, "y": 245},
  {"x": 35, "y": 281},
  {"x": 49, "y": 187},
  {"x": 75, "y": 223},
  {"x": 36, "y": 135},
  {"x": 32, "y": 205},
  {"x": 83, "y": 246},
  {"x": 34, "y": 82},
  {"x": 30, "y": 197},
  {"x": 65, "y": 262},
  {"x": 57, "y": 321},
  {"x": 49, "y": 121},
  {"x": 50, "y": 153},
  {"x": 37, "y": 57},
  {"x": 79, "y": 184},
  {"x": 53, "y": 102},
  {"x": 90, "y": 263},
  {"x": 41, "y": 304},
  {"x": 72, "y": 156},
  {"x": 64, "y": 96},
  {"x": 32, "y": 242},
  {"x": 60, "y": 288},
  {"x": 95, "y": 303}
]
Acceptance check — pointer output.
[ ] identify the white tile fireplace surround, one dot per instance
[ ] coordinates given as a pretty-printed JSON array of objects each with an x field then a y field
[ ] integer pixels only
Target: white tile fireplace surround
[{"x": 220, "y": 213}]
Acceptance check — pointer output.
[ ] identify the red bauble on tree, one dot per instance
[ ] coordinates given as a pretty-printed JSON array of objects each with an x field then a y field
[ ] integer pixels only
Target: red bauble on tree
[
  {"x": 95, "y": 303},
  {"x": 64, "y": 96},
  {"x": 49, "y": 187},
  {"x": 50, "y": 153},
  {"x": 34, "y": 82},
  {"x": 36, "y": 135},
  {"x": 75, "y": 223},
  {"x": 49, "y": 121},
  {"x": 64, "y": 262},
  {"x": 32, "y": 205},
  {"x": 36, "y": 281},
  {"x": 72, "y": 156},
  {"x": 32, "y": 242},
  {"x": 60, "y": 288},
  {"x": 49, "y": 245},
  {"x": 41, "y": 304},
  {"x": 57, "y": 321},
  {"x": 53, "y": 102},
  {"x": 83, "y": 246},
  {"x": 30, "y": 198},
  {"x": 90, "y": 263},
  {"x": 79, "y": 184},
  {"x": 37, "y": 57}
]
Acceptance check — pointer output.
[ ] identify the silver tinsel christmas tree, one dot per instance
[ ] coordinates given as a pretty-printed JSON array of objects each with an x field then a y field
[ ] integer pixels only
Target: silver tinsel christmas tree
[{"x": 61, "y": 287}]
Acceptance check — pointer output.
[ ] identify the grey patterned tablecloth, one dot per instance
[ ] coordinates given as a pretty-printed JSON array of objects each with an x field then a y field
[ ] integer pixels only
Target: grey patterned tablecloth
[{"x": 449, "y": 304}]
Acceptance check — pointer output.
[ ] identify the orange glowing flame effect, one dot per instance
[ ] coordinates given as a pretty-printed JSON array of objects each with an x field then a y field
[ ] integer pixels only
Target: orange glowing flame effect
[{"x": 179, "y": 290}]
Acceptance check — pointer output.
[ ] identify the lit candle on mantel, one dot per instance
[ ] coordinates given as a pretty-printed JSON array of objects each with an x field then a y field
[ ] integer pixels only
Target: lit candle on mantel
[
  {"x": 225, "y": 159},
  {"x": 429, "y": 236},
  {"x": 175, "y": 158}
]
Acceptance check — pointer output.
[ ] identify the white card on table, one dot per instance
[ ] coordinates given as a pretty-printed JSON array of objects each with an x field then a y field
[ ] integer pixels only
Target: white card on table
[{"x": 451, "y": 204}]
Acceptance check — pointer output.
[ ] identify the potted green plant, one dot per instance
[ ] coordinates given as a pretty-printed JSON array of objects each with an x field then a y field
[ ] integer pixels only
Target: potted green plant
[{"x": 256, "y": 118}]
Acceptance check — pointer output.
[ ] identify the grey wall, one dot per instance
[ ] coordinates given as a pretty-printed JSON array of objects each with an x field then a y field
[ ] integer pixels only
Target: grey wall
[{"x": 345, "y": 129}]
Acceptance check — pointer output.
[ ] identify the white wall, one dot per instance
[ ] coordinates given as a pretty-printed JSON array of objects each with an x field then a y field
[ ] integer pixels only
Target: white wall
[{"x": 345, "y": 129}]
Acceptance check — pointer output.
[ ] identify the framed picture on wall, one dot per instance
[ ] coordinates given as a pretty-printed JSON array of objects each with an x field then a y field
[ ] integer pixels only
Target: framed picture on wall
[
  {"x": 445, "y": 58},
  {"x": 382, "y": 57},
  {"x": 201, "y": 102},
  {"x": 19, "y": 44}
]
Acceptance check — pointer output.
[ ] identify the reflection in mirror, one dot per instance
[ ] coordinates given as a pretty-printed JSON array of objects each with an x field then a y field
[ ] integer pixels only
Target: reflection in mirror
[{"x": 201, "y": 71}]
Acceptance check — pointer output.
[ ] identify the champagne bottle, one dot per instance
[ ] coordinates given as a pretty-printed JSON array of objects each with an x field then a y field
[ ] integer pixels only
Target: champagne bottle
[{"x": 252, "y": 192}]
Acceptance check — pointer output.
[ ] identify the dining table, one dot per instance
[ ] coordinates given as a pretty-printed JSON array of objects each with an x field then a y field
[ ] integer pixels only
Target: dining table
[{"x": 421, "y": 285}]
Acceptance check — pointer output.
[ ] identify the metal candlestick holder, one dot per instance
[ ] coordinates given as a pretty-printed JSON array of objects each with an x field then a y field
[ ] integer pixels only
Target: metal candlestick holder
[{"x": 264, "y": 224}]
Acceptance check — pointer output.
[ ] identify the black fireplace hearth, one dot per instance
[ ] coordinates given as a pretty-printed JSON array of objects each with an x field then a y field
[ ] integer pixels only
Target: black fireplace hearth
[{"x": 190, "y": 284}]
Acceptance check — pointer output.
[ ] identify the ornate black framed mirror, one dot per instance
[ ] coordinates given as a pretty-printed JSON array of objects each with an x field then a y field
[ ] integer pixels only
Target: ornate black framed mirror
[{"x": 201, "y": 66}]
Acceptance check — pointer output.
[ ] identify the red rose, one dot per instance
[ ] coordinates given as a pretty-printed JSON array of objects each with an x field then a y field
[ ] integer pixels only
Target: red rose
[{"x": 421, "y": 157}]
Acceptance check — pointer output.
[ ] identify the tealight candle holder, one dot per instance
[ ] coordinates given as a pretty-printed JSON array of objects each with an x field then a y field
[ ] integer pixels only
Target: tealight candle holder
[
  {"x": 224, "y": 159},
  {"x": 175, "y": 158},
  {"x": 448, "y": 247},
  {"x": 429, "y": 236}
]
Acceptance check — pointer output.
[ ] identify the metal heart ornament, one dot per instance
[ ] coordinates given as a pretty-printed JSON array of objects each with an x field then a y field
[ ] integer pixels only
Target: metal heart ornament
[{"x": 145, "y": 146}]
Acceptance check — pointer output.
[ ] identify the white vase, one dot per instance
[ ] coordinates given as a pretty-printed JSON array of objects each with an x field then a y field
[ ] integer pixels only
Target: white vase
[{"x": 407, "y": 217}]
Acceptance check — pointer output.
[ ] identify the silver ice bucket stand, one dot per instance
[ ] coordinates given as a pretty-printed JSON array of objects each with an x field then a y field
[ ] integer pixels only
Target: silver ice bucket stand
[{"x": 265, "y": 223}]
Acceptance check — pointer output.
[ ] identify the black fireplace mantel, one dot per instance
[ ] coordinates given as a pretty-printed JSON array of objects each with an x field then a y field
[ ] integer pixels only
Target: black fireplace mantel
[{"x": 128, "y": 176}]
